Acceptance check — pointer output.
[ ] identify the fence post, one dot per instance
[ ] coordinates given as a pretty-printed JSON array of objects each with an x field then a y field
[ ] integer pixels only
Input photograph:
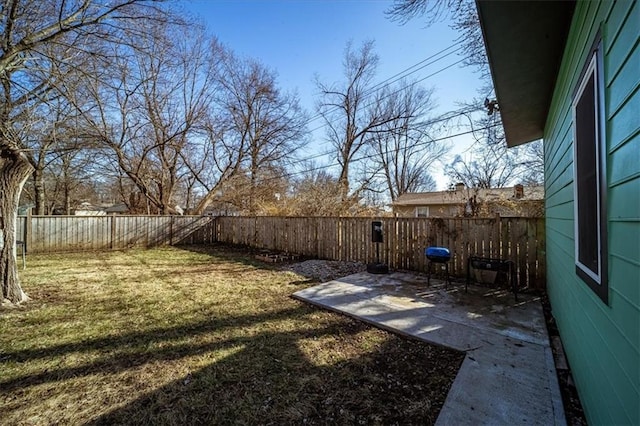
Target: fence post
[
  {"x": 27, "y": 230},
  {"x": 521, "y": 240},
  {"x": 171, "y": 231},
  {"x": 113, "y": 231}
]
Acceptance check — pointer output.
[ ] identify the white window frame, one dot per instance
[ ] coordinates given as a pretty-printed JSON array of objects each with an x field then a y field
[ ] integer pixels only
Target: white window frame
[
  {"x": 426, "y": 210},
  {"x": 597, "y": 279}
]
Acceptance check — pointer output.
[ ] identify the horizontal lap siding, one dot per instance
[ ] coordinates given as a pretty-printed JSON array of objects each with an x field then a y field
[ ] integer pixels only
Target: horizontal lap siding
[{"x": 602, "y": 342}]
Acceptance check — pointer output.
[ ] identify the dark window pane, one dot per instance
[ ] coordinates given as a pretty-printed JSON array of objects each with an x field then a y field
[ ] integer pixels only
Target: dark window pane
[{"x": 587, "y": 179}]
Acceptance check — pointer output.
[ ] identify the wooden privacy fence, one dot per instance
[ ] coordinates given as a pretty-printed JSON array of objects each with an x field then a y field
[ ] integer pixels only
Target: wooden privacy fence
[
  {"x": 521, "y": 240},
  {"x": 50, "y": 234}
]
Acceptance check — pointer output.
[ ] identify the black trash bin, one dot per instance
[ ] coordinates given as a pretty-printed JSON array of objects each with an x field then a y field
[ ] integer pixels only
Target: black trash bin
[
  {"x": 377, "y": 238},
  {"x": 376, "y": 232}
]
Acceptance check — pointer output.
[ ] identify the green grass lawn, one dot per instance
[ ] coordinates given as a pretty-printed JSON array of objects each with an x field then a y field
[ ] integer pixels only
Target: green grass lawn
[{"x": 203, "y": 335}]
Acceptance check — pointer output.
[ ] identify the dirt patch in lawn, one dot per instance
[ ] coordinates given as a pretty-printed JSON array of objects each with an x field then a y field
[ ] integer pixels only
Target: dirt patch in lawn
[{"x": 201, "y": 335}]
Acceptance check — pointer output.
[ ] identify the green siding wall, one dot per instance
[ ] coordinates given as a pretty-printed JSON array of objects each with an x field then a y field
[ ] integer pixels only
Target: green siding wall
[{"x": 602, "y": 342}]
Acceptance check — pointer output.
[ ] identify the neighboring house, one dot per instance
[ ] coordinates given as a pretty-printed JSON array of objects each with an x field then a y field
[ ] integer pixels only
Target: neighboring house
[
  {"x": 25, "y": 209},
  {"x": 569, "y": 72},
  {"x": 120, "y": 208},
  {"x": 88, "y": 209},
  {"x": 221, "y": 208},
  {"x": 462, "y": 201}
]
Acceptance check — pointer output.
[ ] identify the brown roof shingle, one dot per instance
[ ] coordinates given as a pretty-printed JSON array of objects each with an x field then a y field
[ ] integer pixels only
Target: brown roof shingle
[{"x": 460, "y": 196}]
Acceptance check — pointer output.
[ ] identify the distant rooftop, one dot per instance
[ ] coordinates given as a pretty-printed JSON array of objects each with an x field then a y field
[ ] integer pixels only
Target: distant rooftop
[{"x": 461, "y": 194}]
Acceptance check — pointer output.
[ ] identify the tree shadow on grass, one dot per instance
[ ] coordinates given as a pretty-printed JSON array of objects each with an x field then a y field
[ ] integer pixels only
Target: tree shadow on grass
[
  {"x": 270, "y": 377},
  {"x": 243, "y": 255},
  {"x": 130, "y": 349},
  {"x": 232, "y": 253},
  {"x": 265, "y": 376},
  {"x": 398, "y": 382}
]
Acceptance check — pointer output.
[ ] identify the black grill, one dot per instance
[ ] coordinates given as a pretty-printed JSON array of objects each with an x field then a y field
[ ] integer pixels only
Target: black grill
[{"x": 438, "y": 255}]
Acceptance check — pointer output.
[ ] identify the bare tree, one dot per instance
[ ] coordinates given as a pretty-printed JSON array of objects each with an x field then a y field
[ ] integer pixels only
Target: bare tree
[
  {"x": 464, "y": 19},
  {"x": 257, "y": 130},
  {"x": 41, "y": 154},
  {"x": 316, "y": 192},
  {"x": 53, "y": 136},
  {"x": 528, "y": 160},
  {"x": 61, "y": 180},
  {"x": 433, "y": 10},
  {"x": 406, "y": 151},
  {"x": 240, "y": 196},
  {"x": 533, "y": 159},
  {"x": 41, "y": 41},
  {"x": 489, "y": 164},
  {"x": 274, "y": 124},
  {"x": 486, "y": 167},
  {"x": 351, "y": 113},
  {"x": 216, "y": 158},
  {"x": 149, "y": 103}
]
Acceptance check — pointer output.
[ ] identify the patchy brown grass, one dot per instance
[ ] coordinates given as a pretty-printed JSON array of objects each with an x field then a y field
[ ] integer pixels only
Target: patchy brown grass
[{"x": 187, "y": 336}]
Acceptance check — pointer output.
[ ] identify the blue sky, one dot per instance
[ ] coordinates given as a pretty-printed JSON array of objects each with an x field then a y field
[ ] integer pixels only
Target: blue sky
[{"x": 303, "y": 38}]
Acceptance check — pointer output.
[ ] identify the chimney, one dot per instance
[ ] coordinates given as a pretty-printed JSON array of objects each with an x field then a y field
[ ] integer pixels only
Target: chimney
[
  {"x": 460, "y": 186},
  {"x": 518, "y": 191}
]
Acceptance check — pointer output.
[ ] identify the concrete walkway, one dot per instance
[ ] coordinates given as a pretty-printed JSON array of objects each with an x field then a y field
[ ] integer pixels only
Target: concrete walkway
[{"x": 508, "y": 376}]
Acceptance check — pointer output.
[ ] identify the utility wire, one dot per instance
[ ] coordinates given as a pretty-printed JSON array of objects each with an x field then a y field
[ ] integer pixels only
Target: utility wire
[
  {"x": 367, "y": 156},
  {"x": 444, "y": 117},
  {"x": 400, "y": 75},
  {"x": 438, "y": 56},
  {"x": 385, "y": 83},
  {"x": 397, "y": 91}
]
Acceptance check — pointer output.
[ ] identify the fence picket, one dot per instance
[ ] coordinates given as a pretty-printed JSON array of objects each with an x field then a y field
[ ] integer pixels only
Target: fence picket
[{"x": 521, "y": 240}]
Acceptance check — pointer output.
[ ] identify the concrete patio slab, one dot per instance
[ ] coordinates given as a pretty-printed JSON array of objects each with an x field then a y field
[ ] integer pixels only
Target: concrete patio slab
[{"x": 508, "y": 375}]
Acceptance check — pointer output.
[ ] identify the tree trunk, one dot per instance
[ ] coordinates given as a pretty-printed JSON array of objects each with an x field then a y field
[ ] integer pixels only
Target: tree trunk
[
  {"x": 204, "y": 203},
  {"x": 252, "y": 189},
  {"x": 38, "y": 192},
  {"x": 343, "y": 182},
  {"x": 67, "y": 199},
  {"x": 14, "y": 172},
  {"x": 208, "y": 198}
]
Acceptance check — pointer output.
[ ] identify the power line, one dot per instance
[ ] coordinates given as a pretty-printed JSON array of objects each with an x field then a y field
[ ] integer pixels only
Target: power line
[
  {"x": 400, "y": 75},
  {"x": 400, "y": 89},
  {"x": 364, "y": 157},
  {"x": 390, "y": 80},
  {"x": 432, "y": 59},
  {"x": 444, "y": 117}
]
